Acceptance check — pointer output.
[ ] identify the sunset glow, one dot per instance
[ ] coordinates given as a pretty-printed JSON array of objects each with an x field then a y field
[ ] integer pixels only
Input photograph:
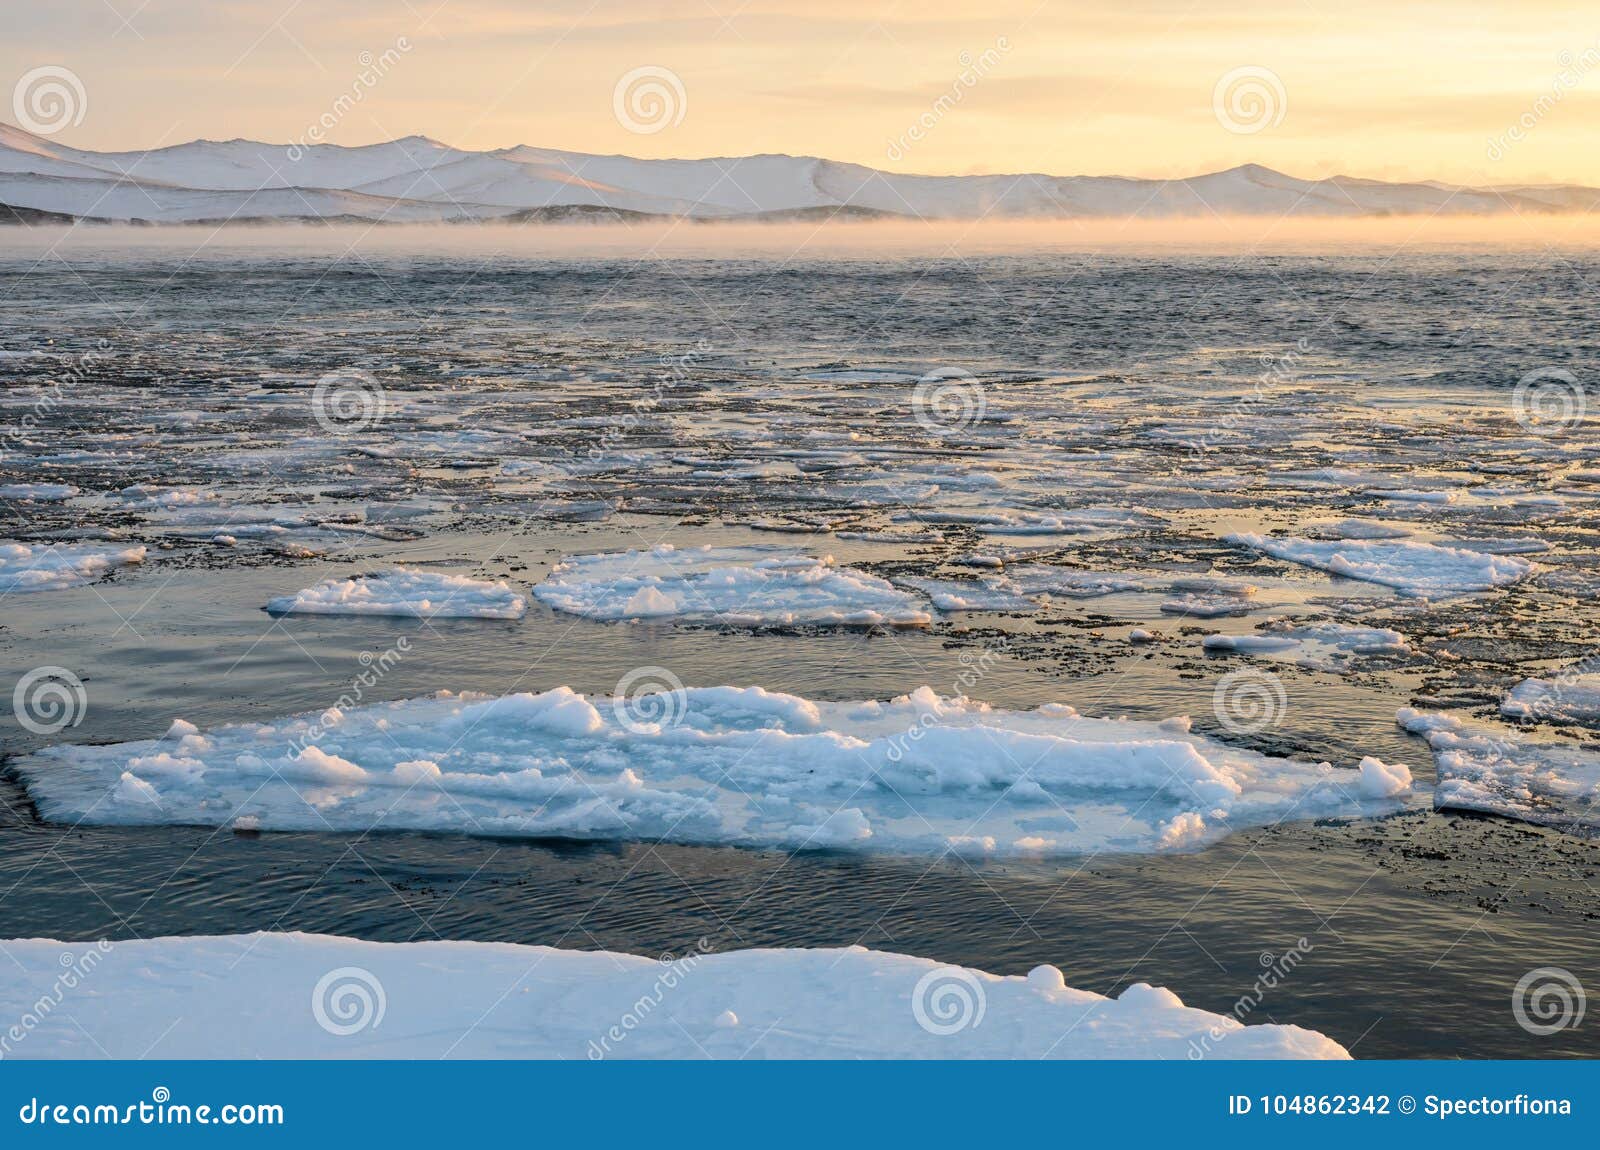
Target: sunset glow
[{"x": 1490, "y": 93}]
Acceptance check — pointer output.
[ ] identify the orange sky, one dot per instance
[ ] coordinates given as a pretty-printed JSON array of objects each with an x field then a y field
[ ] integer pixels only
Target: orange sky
[{"x": 1399, "y": 89}]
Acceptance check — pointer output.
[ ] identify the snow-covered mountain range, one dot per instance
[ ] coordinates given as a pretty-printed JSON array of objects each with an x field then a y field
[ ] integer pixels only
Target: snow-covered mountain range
[{"x": 417, "y": 180}]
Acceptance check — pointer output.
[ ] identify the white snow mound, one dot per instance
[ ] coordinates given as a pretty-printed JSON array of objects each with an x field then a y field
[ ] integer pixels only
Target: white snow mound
[{"x": 315, "y": 996}]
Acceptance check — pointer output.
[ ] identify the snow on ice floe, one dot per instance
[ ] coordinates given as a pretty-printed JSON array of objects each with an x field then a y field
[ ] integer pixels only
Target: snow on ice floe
[
  {"x": 920, "y": 774},
  {"x": 738, "y": 586},
  {"x": 1421, "y": 569},
  {"x": 37, "y": 492},
  {"x": 1318, "y": 646},
  {"x": 407, "y": 592},
  {"x": 1491, "y": 769},
  {"x": 1572, "y": 696},
  {"x": 261, "y": 995},
  {"x": 53, "y": 566}
]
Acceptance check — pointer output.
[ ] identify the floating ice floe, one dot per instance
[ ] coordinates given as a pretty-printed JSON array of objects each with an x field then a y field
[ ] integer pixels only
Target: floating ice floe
[
  {"x": 738, "y": 586},
  {"x": 1421, "y": 569},
  {"x": 1207, "y": 606},
  {"x": 1488, "y": 769},
  {"x": 1020, "y": 521},
  {"x": 37, "y": 492},
  {"x": 407, "y": 592},
  {"x": 52, "y": 566},
  {"x": 1502, "y": 546},
  {"x": 991, "y": 593},
  {"x": 1319, "y": 646},
  {"x": 893, "y": 536},
  {"x": 1412, "y": 496},
  {"x": 1036, "y": 579},
  {"x": 1573, "y": 696},
  {"x": 149, "y": 497},
  {"x": 316, "y": 996},
  {"x": 920, "y": 774},
  {"x": 1367, "y": 529},
  {"x": 1027, "y": 587}
]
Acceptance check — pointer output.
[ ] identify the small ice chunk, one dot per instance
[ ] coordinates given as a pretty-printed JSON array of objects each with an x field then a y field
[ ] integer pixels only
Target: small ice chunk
[
  {"x": 1380, "y": 780},
  {"x": 1249, "y": 643},
  {"x": 1405, "y": 495},
  {"x": 1207, "y": 606}
]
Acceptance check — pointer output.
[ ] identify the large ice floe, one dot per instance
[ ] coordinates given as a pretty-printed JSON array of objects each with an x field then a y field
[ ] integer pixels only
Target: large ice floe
[
  {"x": 920, "y": 774},
  {"x": 315, "y": 996},
  {"x": 739, "y": 586},
  {"x": 53, "y": 566},
  {"x": 1421, "y": 569},
  {"x": 1484, "y": 768},
  {"x": 407, "y": 592}
]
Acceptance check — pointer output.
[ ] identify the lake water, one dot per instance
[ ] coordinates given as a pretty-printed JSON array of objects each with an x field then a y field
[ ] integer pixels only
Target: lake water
[{"x": 260, "y": 416}]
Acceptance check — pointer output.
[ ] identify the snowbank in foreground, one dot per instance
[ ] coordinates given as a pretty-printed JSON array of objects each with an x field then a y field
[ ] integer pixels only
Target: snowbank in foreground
[
  {"x": 313, "y": 996},
  {"x": 1412, "y": 568},
  {"x": 403, "y": 591},
  {"x": 920, "y": 774},
  {"x": 738, "y": 586},
  {"x": 53, "y": 566}
]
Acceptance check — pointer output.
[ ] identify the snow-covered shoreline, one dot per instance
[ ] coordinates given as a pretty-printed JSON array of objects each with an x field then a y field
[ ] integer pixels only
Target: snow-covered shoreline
[{"x": 269, "y": 995}]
